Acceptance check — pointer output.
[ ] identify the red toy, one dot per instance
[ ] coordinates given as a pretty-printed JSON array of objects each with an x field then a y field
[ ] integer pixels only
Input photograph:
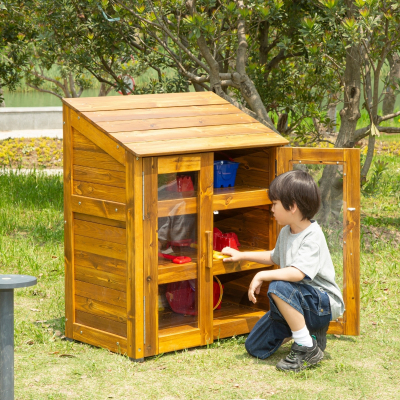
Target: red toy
[
  {"x": 181, "y": 296},
  {"x": 181, "y": 184},
  {"x": 176, "y": 259},
  {"x": 222, "y": 240}
]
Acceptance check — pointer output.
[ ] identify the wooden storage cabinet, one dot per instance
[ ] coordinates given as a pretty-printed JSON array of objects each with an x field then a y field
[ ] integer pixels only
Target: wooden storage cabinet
[{"x": 121, "y": 162}]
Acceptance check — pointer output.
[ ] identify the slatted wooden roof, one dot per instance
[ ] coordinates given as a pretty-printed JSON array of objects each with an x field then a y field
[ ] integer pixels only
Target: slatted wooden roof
[{"x": 162, "y": 124}]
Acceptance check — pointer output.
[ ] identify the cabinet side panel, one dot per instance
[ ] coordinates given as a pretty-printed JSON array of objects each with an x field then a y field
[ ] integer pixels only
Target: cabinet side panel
[
  {"x": 99, "y": 239},
  {"x": 68, "y": 224}
]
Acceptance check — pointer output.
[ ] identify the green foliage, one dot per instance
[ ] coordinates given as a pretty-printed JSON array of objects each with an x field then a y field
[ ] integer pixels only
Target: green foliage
[{"x": 372, "y": 186}]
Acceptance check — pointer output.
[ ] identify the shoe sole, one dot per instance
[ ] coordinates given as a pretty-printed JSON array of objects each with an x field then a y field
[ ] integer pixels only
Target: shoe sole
[{"x": 317, "y": 358}]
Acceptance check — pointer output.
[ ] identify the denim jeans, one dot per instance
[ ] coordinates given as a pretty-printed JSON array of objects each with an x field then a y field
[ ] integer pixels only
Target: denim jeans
[{"x": 270, "y": 331}]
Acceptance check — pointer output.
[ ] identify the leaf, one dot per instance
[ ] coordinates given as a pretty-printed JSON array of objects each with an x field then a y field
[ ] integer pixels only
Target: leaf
[
  {"x": 35, "y": 310},
  {"x": 67, "y": 356},
  {"x": 374, "y": 130},
  {"x": 30, "y": 342}
]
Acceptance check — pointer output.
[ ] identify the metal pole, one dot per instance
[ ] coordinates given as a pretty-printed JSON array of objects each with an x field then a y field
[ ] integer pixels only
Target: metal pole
[{"x": 7, "y": 344}]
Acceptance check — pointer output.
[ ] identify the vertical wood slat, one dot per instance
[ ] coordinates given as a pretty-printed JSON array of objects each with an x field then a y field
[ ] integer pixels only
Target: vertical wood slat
[
  {"x": 68, "y": 225},
  {"x": 284, "y": 156},
  {"x": 150, "y": 258},
  {"x": 205, "y": 275},
  {"x": 272, "y": 222},
  {"x": 134, "y": 238},
  {"x": 351, "y": 272}
]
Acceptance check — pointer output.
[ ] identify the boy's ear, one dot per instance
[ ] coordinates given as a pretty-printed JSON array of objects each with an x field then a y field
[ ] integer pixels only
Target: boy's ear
[{"x": 293, "y": 208}]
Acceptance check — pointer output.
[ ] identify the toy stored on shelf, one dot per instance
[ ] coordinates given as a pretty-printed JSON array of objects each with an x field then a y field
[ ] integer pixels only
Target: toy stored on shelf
[
  {"x": 181, "y": 296},
  {"x": 181, "y": 184},
  {"x": 225, "y": 173},
  {"x": 176, "y": 259},
  {"x": 221, "y": 240}
]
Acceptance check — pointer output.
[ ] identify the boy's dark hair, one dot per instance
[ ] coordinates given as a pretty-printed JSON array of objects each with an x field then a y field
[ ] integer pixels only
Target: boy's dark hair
[{"x": 296, "y": 187}]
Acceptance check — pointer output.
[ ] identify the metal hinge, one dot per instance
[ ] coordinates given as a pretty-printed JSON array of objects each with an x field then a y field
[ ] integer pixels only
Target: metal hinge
[
  {"x": 351, "y": 209},
  {"x": 144, "y": 319},
  {"x": 143, "y": 194}
]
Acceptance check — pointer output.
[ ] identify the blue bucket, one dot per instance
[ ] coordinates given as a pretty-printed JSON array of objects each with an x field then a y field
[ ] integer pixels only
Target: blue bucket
[{"x": 225, "y": 173}]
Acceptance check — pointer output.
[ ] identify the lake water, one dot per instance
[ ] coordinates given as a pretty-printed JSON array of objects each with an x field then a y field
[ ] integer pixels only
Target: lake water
[{"x": 39, "y": 99}]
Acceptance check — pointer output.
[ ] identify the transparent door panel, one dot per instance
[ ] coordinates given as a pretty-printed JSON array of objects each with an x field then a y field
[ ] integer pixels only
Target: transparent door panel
[
  {"x": 177, "y": 185},
  {"x": 330, "y": 216},
  {"x": 177, "y": 249}
]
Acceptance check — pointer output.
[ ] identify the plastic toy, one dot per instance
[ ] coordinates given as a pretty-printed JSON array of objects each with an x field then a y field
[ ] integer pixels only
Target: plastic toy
[
  {"x": 176, "y": 259},
  {"x": 225, "y": 173}
]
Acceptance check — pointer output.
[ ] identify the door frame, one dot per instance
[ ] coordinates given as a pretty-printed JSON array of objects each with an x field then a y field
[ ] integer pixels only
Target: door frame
[
  {"x": 349, "y": 324},
  {"x": 152, "y": 167}
]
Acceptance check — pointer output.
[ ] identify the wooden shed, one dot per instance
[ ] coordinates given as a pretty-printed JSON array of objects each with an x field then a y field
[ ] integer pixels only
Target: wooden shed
[{"x": 124, "y": 159}]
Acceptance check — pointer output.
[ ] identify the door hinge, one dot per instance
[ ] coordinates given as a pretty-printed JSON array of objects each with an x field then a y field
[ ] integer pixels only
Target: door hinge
[
  {"x": 144, "y": 319},
  {"x": 143, "y": 194}
]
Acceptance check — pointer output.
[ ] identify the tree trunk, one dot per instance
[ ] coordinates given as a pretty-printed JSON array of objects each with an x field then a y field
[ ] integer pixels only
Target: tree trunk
[
  {"x": 2, "y": 103},
  {"x": 331, "y": 183},
  {"x": 371, "y": 140},
  {"x": 390, "y": 98}
]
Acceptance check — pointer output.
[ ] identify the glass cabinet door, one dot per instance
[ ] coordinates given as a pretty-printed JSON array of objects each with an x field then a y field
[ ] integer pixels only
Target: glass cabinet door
[
  {"x": 177, "y": 227},
  {"x": 337, "y": 172}
]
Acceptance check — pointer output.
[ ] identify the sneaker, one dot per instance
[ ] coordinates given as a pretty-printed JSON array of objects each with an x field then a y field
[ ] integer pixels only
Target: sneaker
[
  {"x": 320, "y": 335},
  {"x": 301, "y": 357}
]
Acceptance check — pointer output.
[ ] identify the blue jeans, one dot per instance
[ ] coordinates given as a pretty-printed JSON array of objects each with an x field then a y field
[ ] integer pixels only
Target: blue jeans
[{"x": 270, "y": 331}]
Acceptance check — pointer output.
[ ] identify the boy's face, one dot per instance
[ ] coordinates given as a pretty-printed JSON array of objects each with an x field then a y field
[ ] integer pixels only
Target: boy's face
[{"x": 282, "y": 216}]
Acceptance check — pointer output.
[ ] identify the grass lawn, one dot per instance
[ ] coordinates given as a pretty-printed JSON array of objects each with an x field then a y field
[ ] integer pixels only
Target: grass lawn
[{"x": 47, "y": 367}]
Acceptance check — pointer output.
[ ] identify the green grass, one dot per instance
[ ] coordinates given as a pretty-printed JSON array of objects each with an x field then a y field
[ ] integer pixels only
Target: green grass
[{"x": 363, "y": 367}]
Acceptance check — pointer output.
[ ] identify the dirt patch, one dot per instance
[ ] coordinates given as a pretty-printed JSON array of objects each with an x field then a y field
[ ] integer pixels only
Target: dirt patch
[
  {"x": 372, "y": 234},
  {"x": 39, "y": 153}
]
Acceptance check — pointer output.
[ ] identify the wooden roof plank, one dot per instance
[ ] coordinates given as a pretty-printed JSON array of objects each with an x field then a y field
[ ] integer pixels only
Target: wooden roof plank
[
  {"x": 143, "y": 101},
  {"x": 173, "y": 123},
  {"x": 189, "y": 133},
  {"x": 166, "y": 112},
  {"x": 225, "y": 142}
]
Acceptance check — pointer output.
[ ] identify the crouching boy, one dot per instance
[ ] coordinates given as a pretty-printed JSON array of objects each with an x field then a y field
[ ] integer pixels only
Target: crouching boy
[{"x": 303, "y": 294}]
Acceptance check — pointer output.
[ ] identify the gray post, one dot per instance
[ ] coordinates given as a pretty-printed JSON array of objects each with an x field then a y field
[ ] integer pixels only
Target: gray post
[
  {"x": 7, "y": 285},
  {"x": 7, "y": 344}
]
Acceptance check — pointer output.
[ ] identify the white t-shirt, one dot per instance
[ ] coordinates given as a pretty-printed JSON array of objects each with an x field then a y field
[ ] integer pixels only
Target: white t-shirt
[{"x": 308, "y": 252}]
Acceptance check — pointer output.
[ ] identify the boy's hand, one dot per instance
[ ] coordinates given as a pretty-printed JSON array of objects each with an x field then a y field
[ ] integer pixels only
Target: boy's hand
[
  {"x": 235, "y": 255},
  {"x": 254, "y": 288}
]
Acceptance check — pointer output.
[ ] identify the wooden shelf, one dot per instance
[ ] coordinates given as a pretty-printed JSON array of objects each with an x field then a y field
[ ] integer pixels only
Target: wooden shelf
[
  {"x": 234, "y": 319},
  {"x": 220, "y": 267},
  {"x": 239, "y": 196},
  {"x": 231, "y": 319},
  {"x": 223, "y": 199},
  {"x": 170, "y": 272}
]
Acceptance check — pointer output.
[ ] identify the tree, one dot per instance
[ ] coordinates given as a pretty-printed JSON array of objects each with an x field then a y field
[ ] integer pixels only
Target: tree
[
  {"x": 369, "y": 33},
  {"x": 14, "y": 19}
]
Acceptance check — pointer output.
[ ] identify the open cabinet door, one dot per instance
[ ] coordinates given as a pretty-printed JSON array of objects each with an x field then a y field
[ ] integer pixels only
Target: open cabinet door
[{"x": 342, "y": 227}]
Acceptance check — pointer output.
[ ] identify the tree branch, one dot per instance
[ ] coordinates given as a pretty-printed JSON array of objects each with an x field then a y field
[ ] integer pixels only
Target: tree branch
[
  {"x": 388, "y": 116},
  {"x": 44, "y": 90}
]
